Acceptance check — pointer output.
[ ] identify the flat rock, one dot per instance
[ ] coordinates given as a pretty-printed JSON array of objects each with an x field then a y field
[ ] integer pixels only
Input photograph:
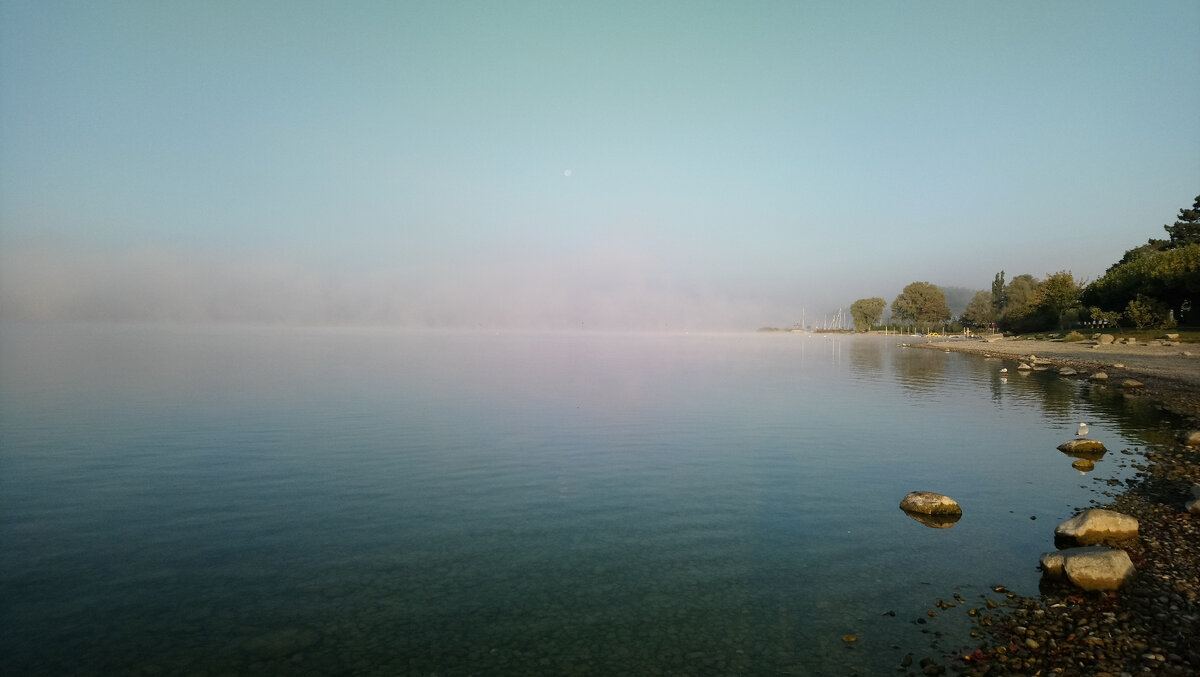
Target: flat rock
[
  {"x": 1090, "y": 568},
  {"x": 1096, "y": 526},
  {"x": 1023, "y": 367},
  {"x": 1067, "y": 371},
  {"x": 1131, "y": 383},
  {"x": 929, "y": 503},
  {"x": 1083, "y": 447},
  {"x": 1099, "y": 376}
]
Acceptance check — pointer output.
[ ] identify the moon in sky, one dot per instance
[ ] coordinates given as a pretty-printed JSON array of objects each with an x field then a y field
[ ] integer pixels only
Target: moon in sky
[{"x": 567, "y": 172}]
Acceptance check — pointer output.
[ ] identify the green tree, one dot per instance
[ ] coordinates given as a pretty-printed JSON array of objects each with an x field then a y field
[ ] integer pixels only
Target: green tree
[
  {"x": 1056, "y": 295},
  {"x": 1187, "y": 229},
  {"x": 1171, "y": 277},
  {"x": 922, "y": 305},
  {"x": 1019, "y": 313},
  {"x": 867, "y": 313},
  {"x": 980, "y": 312},
  {"x": 999, "y": 297},
  {"x": 1144, "y": 311}
]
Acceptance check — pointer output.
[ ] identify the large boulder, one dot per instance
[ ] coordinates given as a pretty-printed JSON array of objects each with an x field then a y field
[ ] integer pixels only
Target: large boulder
[
  {"x": 1082, "y": 447},
  {"x": 1191, "y": 439},
  {"x": 1096, "y": 526},
  {"x": 929, "y": 503},
  {"x": 1090, "y": 568},
  {"x": 1106, "y": 339}
]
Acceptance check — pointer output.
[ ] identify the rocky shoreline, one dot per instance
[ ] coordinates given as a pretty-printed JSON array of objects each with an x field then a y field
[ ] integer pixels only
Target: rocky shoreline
[
  {"x": 1152, "y": 624},
  {"x": 1168, "y": 372}
]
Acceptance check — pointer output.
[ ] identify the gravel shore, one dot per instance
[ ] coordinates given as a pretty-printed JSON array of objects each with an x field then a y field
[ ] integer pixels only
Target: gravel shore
[{"x": 1150, "y": 626}]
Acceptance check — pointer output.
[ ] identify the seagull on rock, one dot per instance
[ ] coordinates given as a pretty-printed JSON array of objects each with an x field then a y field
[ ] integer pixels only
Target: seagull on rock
[{"x": 1082, "y": 431}]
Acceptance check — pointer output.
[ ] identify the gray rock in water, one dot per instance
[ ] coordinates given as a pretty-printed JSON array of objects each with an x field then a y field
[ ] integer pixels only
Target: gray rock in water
[
  {"x": 1090, "y": 568},
  {"x": 1067, "y": 371},
  {"x": 929, "y": 503},
  {"x": 1097, "y": 526},
  {"x": 1084, "y": 465},
  {"x": 1099, "y": 376},
  {"x": 1023, "y": 367}
]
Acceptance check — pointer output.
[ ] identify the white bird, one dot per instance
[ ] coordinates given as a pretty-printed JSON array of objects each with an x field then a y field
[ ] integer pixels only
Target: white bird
[
  {"x": 1082, "y": 431},
  {"x": 1004, "y": 370}
]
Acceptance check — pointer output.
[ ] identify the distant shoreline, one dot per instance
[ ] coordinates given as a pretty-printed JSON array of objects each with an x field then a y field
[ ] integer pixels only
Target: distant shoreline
[{"x": 1168, "y": 373}]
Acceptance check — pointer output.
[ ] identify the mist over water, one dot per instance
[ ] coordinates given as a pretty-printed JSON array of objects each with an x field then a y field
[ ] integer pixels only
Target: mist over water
[{"x": 610, "y": 289}]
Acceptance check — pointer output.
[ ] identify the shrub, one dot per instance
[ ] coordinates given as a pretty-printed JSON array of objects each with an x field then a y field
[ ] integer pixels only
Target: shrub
[{"x": 1073, "y": 336}]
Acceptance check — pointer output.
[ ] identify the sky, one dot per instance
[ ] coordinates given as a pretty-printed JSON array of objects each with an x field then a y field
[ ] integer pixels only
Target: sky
[{"x": 608, "y": 165}]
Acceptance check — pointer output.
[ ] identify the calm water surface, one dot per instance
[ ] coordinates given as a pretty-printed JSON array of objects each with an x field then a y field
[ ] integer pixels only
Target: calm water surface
[{"x": 325, "y": 502}]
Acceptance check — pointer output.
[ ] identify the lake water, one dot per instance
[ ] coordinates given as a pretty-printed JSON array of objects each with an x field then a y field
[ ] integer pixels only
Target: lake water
[{"x": 335, "y": 502}]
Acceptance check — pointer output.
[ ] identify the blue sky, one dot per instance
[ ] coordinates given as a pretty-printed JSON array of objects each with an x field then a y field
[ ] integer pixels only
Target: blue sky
[{"x": 641, "y": 165}]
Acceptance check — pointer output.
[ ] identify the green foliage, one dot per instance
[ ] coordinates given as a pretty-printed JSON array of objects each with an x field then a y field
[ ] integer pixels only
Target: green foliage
[
  {"x": 867, "y": 313},
  {"x": 1111, "y": 318},
  {"x": 1056, "y": 295},
  {"x": 1019, "y": 312},
  {"x": 1186, "y": 230},
  {"x": 1170, "y": 277},
  {"x": 1152, "y": 246},
  {"x": 1166, "y": 272},
  {"x": 1144, "y": 311},
  {"x": 980, "y": 311},
  {"x": 999, "y": 297},
  {"x": 922, "y": 305}
]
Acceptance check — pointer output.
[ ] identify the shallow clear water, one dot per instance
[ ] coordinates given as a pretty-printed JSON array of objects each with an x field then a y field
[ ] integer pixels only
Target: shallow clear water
[{"x": 236, "y": 501}]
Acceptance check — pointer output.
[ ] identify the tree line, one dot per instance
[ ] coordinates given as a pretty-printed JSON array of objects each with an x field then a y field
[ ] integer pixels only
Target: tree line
[{"x": 1151, "y": 286}]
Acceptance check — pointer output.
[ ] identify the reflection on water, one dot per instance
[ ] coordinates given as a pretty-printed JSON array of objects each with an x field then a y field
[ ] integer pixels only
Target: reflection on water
[
  {"x": 918, "y": 369},
  {"x": 935, "y": 521},
  {"x": 320, "y": 502},
  {"x": 867, "y": 357}
]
